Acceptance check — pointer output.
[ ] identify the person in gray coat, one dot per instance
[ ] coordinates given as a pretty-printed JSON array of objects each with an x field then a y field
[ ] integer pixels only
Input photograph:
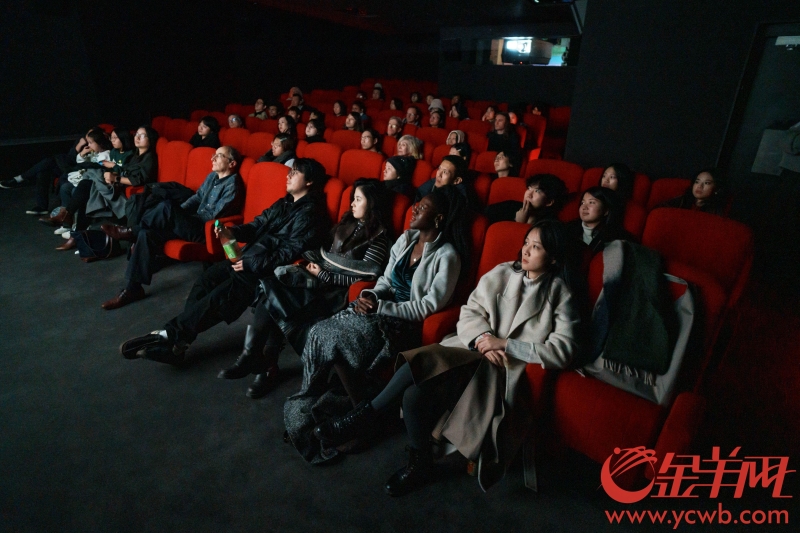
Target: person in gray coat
[{"x": 469, "y": 391}]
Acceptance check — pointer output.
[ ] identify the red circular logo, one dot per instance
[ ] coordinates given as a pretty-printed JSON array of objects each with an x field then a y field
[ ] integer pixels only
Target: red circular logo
[{"x": 629, "y": 458}]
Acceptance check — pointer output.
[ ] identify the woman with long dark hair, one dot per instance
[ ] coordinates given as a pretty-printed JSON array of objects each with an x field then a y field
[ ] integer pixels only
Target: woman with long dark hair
[
  {"x": 471, "y": 388},
  {"x": 707, "y": 194},
  {"x": 600, "y": 219},
  {"x": 358, "y": 249},
  {"x": 420, "y": 279},
  {"x": 619, "y": 178},
  {"x": 282, "y": 151}
]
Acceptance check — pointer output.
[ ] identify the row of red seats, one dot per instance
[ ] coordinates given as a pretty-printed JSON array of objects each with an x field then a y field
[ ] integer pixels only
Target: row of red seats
[{"x": 177, "y": 129}]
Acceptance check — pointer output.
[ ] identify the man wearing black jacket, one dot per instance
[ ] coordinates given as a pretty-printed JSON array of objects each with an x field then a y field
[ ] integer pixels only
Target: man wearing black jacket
[{"x": 292, "y": 225}]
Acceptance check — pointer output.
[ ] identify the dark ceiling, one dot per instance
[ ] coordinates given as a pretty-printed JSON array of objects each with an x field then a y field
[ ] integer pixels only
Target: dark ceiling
[{"x": 426, "y": 16}]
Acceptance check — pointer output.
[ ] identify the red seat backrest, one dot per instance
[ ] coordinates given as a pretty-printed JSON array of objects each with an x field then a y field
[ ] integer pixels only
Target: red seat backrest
[
  {"x": 301, "y": 131},
  {"x": 160, "y": 145},
  {"x": 485, "y": 162},
  {"x": 265, "y": 186},
  {"x": 159, "y": 124},
  {"x": 269, "y": 125},
  {"x": 635, "y": 219},
  {"x": 198, "y": 166},
  {"x": 258, "y": 144},
  {"x": 719, "y": 246},
  {"x": 570, "y": 173},
  {"x": 197, "y": 114},
  {"x": 173, "y": 130},
  {"x": 222, "y": 118},
  {"x": 422, "y": 173},
  {"x": 188, "y": 131},
  {"x": 359, "y": 163},
  {"x": 300, "y": 149},
  {"x": 231, "y": 109},
  {"x": 337, "y": 123},
  {"x": 439, "y": 154},
  {"x": 504, "y": 189},
  {"x": 558, "y": 120},
  {"x": 388, "y": 146},
  {"x": 244, "y": 170},
  {"x": 477, "y": 128},
  {"x": 172, "y": 164},
  {"x": 327, "y": 154},
  {"x": 236, "y": 137},
  {"x": 252, "y": 123},
  {"x": 333, "y": 197},
  {"x": 502, "y": 243},
  {"x": 108, "y": 128},
  {"x": 347, "y": 139},
  {"x": 665, "y": 189},
  {"x": 433, "y": 136},
  {"x": 537, "y": 125}
]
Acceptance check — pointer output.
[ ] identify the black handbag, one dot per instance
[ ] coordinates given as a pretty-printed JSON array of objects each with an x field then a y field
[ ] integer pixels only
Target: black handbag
[{"x": 94, "y": 245}]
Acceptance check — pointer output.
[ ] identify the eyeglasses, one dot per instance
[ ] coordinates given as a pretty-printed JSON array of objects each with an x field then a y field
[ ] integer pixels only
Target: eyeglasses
[
  {"x": 213, "y": 157},
  {"x": 140, "y": 135}
]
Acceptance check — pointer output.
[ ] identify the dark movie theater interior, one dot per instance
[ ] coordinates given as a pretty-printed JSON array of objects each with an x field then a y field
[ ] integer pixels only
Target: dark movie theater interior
[{"x": 373, "y": 266}]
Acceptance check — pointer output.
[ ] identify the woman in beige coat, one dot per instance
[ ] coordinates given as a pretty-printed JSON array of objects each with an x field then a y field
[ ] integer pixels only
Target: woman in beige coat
[{"x": 471, "y": 389}]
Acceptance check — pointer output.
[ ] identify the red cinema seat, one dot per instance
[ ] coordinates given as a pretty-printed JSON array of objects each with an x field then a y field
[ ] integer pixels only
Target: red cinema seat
[
  {"x": 422, "y": 173},
  {"x": 269, "y": 126},
  {"x": 232, "y": 109},
  {"x": 337, "y": 123},
  {"x": 505, "y": 189},
  {"x": 301, "y": 131},
  {"x": 359, "y": 163},
  {"x": 485, "y": 162},
  {"x": 570, "y": 173},
  {"x": 188, "y": 131},
  {"x": 439, "y": 154},
  {"x": 198, "y": 166},
  {"x": 172, "y": 164},
  {"x": 328, "y": 154},
  {"x": 108, "y": 128},
  {"x": 388, "y": 146},
  {"x": 634, "y": 220},
  {"x": 173, "y": 130},
  {"x": 159, "y": 124},
  {"x": 433, "y": 136},
  {"x": 300, "y": 149},
  {"x": 253, "y": 124},
  {"x": 482, "y": 186},
  {"x": 236, "y": 137},
  {"x": 475, "y": 128},
  {"x": 719, "y": 246},
  {"x": 347, "y": 139},
  {"x": 222, "y": 118},
  {"x": 665, "y": 189},
  {"x": 258, "y": 144},
  {"x": 333, "y": 197},
  {"x": 247, "y": 165},
  {"x": 197, "y": 114}
]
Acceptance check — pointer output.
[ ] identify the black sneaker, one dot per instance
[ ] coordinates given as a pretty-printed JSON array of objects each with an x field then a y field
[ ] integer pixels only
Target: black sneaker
[
  {"x": 10, "y": 184},
  {"x": 37, "y": 211}
]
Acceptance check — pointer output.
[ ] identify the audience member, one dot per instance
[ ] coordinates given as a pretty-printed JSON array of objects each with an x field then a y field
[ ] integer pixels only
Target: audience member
[
  {"x": 222, "y": 194},
  {"x": 397, "y": 173},
  {"x": 207, "y": 133},
  {"x": 545, "y": 195},
  {"x": 282, "y": 151}
]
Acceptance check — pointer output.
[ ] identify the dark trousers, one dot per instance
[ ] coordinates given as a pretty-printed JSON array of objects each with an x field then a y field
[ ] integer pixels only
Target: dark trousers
[
  {"x": 159, "y": 224},
  {"x": 45, "y": 171},
  {"x": 221, "y": 294}
]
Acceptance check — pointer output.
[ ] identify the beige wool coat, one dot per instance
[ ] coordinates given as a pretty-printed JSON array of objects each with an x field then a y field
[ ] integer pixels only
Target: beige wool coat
[{"x": 492, "y": 417}]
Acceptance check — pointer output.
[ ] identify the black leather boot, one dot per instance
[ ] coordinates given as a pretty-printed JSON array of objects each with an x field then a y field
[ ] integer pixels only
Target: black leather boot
[
  {"x": 251, "y": 361},
  {"x": 414, "y": 475},
  {"x": 357, "y": 423},
  {"x": 264, "y": 383}
]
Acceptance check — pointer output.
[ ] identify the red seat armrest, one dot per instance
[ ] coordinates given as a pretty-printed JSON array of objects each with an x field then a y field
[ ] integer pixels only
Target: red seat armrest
[{"x": 357, "y": 287}]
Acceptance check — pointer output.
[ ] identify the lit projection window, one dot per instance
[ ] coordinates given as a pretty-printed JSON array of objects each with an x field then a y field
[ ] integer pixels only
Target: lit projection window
[{"x": 530, "y": 51}]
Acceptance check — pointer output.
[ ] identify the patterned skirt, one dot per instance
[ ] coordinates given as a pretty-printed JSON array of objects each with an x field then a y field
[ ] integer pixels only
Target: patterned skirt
[{"x": 367, "y": 344}]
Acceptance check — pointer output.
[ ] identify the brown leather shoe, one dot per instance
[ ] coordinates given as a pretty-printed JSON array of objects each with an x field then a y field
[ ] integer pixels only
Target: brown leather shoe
[
  {"x": 121, "y": 233},
  {"x": 123, "y": 298},
  {"x": 62, "y": 218},
  {"x": 69, "y": 245}
]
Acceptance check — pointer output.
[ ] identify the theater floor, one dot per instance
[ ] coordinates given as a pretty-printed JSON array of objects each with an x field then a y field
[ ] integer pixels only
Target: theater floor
[{"x": 92, "y": 442}]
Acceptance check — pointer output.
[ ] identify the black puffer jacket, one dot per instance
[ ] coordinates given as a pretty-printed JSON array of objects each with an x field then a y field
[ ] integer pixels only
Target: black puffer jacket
[{"x": 282, "y": 232}]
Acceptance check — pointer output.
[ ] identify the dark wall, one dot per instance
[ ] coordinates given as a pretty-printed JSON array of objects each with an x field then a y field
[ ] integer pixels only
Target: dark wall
[
  {"x": 401, "y": 56},
  {"x": 67, "y": 65},
  {"x": 657, "y": 80}
]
